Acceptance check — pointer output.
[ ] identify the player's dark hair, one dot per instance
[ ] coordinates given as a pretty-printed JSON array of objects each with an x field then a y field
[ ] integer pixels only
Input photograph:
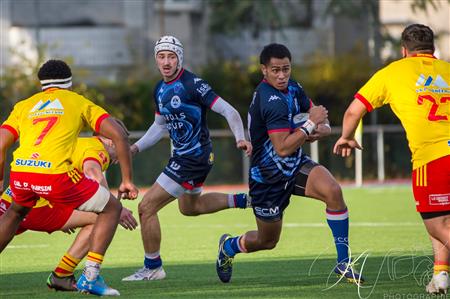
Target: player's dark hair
[
  {"x": 274, "y": 51},
  {"x": 54, "y": 69},
  {"x": 418, "y": 38}
]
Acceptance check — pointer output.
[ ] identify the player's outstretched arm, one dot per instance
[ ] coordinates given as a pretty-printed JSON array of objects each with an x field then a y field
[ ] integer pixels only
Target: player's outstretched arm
[
  {"x": 112, "y": 130},
  {"x": 352, "y": 116},
  {"x": 6, "y": 140},
  {"x": 235, "y": 122},
  {"x": 152, "y": 136}
]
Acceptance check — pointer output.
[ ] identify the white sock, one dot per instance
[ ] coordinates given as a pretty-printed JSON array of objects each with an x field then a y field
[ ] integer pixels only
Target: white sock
[
  {"x": 152, "y": 255},
  {"x": 91, "y": 270},
  {"x": 231, "y": 201}
]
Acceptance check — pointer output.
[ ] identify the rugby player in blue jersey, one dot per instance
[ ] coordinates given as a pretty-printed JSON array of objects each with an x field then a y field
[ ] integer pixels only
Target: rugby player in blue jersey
[
  {"x": 182, "y": 100},
  {"x": 281, "y": 119}
]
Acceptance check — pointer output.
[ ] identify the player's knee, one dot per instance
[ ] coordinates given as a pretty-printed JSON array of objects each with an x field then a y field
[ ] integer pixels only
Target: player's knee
[
  {"x": 334, "y": 194},
  {"x": 146, "y": 208},
  {"x": 189, "y": 211}
]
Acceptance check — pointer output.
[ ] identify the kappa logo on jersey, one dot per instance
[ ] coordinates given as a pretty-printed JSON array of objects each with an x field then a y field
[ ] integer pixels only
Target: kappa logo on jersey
[
  {"x": 33, "y": 163},
  {"x": 274, "y": 98},
  {"x": 175, "y": 102},
  {"x": 196, "y": 80}
]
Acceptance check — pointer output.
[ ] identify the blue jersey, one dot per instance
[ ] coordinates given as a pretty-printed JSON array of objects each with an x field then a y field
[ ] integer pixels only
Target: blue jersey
[
  {"x": 183, "y": 102},
  {"x": 272, "y": 110}
]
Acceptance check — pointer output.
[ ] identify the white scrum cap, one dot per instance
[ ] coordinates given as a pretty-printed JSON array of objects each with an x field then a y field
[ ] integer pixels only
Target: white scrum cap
[{"x": 170, "y": 43}]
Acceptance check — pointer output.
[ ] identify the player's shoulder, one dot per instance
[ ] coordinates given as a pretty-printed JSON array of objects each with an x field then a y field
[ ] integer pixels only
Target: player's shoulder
[
  {"x": 294, "y": 85},
  {"x": 91, "y": 143}
]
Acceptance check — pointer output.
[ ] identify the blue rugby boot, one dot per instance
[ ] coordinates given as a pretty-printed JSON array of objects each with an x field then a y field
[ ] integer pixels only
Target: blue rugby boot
[
  {"x": 347, "y": 271},
  {"x": 96, "y": 287},
  {"x": 224, "y": 263}
]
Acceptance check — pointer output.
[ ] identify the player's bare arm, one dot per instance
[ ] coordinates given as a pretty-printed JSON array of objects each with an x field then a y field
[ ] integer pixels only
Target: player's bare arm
[
  {"x": 6, "y": 140},
  {"x": 286, "y": 143},
  {"x": 110, "y": 129},
  {"x": 352, "y": 116}
]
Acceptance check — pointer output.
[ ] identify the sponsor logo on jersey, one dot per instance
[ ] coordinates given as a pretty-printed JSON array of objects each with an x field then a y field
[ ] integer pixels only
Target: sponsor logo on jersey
[
  {"x": 33, "y": 163},
  {"x": 274, "y": 98},
  {"x": 439, "y": 199},
  {"x": 203, "y": 89},
  {"x": 34, "y": 156},
  {"x": 196, "y": 80},
  {"x": 42, "y": 189},
  {"x": 174, "y": 166},
  {"x": 46, "y": 108},
  {"x": 433, "y": 84},
  {"x": 175, "y": 102},
  {"x": 267, "y": 212},
  {"x": 9, "y": 192}
]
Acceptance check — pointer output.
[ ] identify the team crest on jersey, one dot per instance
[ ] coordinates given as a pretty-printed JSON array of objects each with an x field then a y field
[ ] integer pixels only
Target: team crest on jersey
[
  {"x": 177, "y": 88},
  {"x": 175, "y": 102}
]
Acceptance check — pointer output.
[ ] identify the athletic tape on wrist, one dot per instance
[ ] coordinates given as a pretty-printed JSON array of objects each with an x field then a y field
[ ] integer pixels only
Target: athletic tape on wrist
[{"x": 309, "y": 126}]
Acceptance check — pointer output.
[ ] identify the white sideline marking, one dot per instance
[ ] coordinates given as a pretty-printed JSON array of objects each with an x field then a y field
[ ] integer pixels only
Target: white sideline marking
[{"x": 27, "y": 246}]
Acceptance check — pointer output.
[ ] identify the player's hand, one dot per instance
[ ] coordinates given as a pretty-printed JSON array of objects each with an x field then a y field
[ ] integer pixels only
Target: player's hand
[
  {"x": 127, "y": 220},
  {"x": 318, "y": 114},
  {"x": 134, "y": 149},
  {"x": 322, "y": 130},
  {"x": 127, "y": 191},
  {"x": 246, "y": 146},
  {"x": 344, "y": 146}
]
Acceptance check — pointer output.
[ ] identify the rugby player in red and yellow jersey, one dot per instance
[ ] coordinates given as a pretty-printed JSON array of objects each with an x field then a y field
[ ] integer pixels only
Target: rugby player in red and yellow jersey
[
  {"x": 417, "y": 89},
  {"x": 48, "y": 124},
  {"x": 92, "y": 156}
]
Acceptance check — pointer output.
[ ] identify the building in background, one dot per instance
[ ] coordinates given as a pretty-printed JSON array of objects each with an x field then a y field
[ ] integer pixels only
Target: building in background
[
  {"x": 396, "y": 15},
  {"x": 110, "y": 37}
]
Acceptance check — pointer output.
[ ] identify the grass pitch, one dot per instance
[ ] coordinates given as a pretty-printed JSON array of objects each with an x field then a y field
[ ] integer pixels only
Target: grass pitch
[{"x": 385, "y": 232}]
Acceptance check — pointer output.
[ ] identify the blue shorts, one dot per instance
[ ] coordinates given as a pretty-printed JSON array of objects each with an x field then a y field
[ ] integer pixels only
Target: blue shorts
[
  {"x": 270, "y": 200},
  {"x": 191, "y": 171}
]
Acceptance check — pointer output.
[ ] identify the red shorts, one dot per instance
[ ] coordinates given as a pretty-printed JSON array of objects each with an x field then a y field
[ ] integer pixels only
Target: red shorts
[
  {"x": 70, "y": 189},
  {"x": 431, "y": 186},
  {"x": 44, "y": 219}
]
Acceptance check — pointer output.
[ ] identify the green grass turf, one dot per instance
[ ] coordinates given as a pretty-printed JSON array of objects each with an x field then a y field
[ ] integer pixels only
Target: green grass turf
[{"x": 384, "y": 228}]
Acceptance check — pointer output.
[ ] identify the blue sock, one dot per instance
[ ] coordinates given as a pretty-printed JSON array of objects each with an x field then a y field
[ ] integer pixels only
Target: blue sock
[
  {"x": 338, "y": 223},
  {"x": 231, "y": 246},
  {"x": 152, "y": 263},
  {"x": 240, "y": 200}
]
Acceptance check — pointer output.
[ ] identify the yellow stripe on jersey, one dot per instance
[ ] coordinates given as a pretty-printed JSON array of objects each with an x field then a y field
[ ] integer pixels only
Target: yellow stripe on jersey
[
  {"x": 417, "y": 90},
  {"x": 48, "y": 124}
]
